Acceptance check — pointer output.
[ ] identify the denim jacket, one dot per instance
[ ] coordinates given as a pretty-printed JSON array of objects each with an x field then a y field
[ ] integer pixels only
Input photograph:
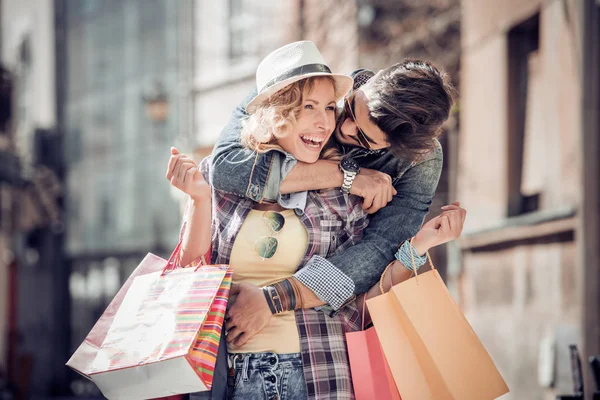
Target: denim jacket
[{"x": 257, "y": 176}]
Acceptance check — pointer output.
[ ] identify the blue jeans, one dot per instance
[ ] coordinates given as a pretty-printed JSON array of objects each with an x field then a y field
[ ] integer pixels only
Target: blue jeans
[{"x": 266, "y": 376}]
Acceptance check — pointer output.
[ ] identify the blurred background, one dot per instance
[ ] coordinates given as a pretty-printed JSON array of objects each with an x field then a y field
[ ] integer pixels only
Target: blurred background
[{"x": 95, "y": 92}]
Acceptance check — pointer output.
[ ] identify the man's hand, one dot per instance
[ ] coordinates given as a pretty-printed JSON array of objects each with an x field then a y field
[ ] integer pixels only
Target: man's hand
[
  {"x": 248, "y": 314},
  {"x": 441, "y": 229},
  {"x": 375, "y": 187}
]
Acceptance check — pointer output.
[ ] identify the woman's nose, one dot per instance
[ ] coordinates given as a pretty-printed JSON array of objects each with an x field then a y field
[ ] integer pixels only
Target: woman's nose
[{"x": 324, "y": 121}]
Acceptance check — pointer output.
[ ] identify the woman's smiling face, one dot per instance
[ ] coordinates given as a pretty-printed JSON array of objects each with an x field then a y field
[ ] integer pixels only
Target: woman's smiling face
[{"x": 314, "y": 123}]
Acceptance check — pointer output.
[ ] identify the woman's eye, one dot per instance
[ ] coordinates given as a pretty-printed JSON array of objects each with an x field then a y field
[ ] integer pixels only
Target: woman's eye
[
  {"x": 308, "y": 106},
  {"x": 330, "y": 108}
]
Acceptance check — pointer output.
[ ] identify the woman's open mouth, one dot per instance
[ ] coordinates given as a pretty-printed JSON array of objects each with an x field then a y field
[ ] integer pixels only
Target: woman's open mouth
[{"x": 312, "y": 142}]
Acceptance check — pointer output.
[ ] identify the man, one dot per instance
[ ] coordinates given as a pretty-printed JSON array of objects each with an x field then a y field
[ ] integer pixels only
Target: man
[{"x": 387, "y": 133}]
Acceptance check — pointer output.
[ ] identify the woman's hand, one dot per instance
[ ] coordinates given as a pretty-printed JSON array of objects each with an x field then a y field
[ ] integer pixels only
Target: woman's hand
[
  {"x": 442, "y": 229},
  {"x": 183, "y": 173}
]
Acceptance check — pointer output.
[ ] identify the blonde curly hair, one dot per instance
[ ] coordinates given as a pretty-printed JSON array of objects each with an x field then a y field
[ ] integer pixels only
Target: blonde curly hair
[{"x": 277, "y": 115}]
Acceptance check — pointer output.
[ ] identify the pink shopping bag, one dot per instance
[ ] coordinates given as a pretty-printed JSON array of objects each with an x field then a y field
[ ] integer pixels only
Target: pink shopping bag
[{"x": 371, "y": 375}]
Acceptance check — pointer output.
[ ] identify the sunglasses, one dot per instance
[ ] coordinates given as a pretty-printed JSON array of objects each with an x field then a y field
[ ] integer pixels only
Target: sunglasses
[
  {"x": 349, "y": 111},
  {"x": 266, "y": 247}
]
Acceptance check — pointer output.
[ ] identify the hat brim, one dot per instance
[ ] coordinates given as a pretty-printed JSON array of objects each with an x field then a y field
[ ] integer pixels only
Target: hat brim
[{"x": 342, "y": 82}]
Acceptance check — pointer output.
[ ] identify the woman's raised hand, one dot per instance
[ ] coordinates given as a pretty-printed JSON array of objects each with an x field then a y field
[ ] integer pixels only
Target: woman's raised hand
[
  {"x": 183, "y": 173},
  {"x": 441, "y": 229}
]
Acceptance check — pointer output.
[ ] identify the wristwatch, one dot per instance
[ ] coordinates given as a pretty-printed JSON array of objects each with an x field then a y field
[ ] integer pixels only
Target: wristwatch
[{"x": 350, "y": 169}]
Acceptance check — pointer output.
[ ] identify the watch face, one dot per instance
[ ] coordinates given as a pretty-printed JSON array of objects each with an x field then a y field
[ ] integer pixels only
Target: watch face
[{"x": 350, "y": 165}]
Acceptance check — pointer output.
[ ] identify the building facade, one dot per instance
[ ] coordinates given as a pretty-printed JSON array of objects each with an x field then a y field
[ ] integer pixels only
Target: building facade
[{"x": 523, "y": 271}]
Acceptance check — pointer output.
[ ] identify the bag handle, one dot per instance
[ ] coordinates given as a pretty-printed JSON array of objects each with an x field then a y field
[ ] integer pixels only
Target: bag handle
[
  {"x": 172, "y": 265},
  {"x": 178, "y": 247},
  {"x": 363, "y": 313},
  {"x": 385, "y": 271},
  {"x": 414, "y": 266},
  {"x": 170, "y": 262},
  {"x": 380, "y": 289}
]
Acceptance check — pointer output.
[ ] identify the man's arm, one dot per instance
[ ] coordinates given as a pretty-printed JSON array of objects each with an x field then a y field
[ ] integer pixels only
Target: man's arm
[
  {"x": 241, "y": 171},
  {"x": 334, "y": 280},
  {"x": 326, "y": 281},
  {"x": 400, "y": 220},
  {"x": 236, "y": 169}
]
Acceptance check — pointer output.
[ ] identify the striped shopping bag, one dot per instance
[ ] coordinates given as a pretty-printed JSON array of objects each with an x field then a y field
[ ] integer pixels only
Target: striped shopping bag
[{"x": 164, "y": 338}]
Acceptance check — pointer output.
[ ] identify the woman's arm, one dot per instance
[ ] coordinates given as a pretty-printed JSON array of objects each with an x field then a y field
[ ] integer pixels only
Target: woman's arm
[
  {"x": 183, "y": 173},
  {"x": 439, "y": 230},
  {"x": 196, "y": 238}
]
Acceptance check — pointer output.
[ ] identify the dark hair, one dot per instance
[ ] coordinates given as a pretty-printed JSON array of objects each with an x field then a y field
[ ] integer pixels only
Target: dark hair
[{"x": 409, "y": 102}]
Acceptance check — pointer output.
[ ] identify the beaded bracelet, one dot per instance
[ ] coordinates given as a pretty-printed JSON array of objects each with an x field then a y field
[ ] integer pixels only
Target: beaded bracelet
[{"x": 403, "y": 255}]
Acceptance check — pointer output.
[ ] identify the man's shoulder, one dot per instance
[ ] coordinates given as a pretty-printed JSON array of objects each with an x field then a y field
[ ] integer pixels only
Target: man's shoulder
[
  {"x": 437, "y": 153},
  {"x": 432, "y": 160},
  {"x": 430, "y": 163},
  {"x": 426, "y": 164}
]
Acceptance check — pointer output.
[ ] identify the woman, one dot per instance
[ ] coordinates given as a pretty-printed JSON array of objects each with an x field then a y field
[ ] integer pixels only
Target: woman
[{"x": 265, "y": 244}]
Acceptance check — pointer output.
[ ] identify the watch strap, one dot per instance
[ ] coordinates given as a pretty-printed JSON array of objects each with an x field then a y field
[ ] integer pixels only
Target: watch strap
[{"x": 348, "y": 180}]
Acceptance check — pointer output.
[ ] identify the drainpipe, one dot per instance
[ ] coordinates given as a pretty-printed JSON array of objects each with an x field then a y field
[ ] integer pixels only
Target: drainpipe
[{"x": 589, "y": 214}]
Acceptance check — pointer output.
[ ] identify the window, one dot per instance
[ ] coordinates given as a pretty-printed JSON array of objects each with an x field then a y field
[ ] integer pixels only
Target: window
[
  {"x": 241, "y": 31},
  {"x": 525, "y": 119},
  {"x": 108, "y": 132}
]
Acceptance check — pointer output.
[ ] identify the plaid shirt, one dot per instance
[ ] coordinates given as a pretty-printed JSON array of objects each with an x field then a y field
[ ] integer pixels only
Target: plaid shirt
[{"x": 334, "y": 221}]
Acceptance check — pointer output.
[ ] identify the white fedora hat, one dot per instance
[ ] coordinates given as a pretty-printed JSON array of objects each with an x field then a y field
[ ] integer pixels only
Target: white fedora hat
[{"x": 289, "y": 64}]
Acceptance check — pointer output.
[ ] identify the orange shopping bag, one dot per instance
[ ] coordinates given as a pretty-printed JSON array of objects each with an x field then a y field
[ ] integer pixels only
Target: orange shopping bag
[
  {"x": 430, "y": 346},
  {"x": 371, "y": 376}
]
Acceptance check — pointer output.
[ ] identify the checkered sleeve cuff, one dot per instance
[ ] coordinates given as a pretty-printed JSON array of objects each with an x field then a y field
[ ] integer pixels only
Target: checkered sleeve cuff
[
  {"x": 329, "y": 283},
  {"x": 403, "y": 255}
]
